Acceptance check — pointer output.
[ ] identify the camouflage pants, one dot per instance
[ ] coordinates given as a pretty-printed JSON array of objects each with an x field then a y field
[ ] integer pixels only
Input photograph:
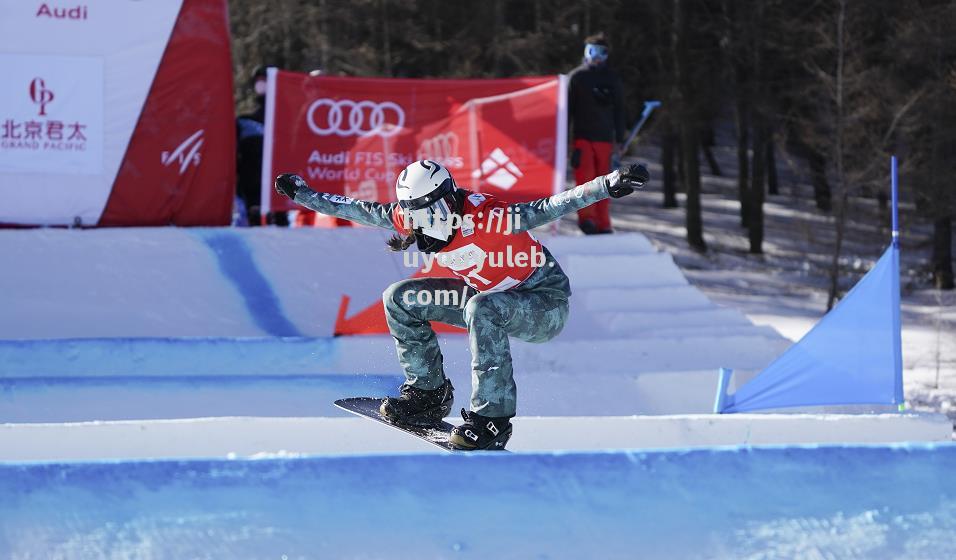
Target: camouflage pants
[{"x": 490, "y": 317}]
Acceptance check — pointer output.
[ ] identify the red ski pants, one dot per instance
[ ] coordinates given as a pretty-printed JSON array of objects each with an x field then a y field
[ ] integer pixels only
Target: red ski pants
[{"x": 595, "y": 160}]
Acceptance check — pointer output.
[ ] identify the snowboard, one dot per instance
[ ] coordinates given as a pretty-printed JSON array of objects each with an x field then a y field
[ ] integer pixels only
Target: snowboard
[{"x": 367, "y": 407}]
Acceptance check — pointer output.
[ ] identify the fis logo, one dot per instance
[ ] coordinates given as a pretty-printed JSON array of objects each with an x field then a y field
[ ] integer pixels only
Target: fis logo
[
  {"x": 185, "y": 154},
  {"x": 498, "y": 170}
]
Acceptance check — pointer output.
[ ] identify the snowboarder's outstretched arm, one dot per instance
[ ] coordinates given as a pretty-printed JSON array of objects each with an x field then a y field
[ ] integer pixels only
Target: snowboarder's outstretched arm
[
  {"x": 360, "y": 211},
  {"x": 544, "y": 210}
]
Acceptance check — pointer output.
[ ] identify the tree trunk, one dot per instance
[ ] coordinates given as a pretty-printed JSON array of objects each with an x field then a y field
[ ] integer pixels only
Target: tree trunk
[
  {"x": 834, "y": 274},
  {"x": 756, "y": 191},
  {"x": 688, "y": 125},
  {"x": 679, "y": 163},
  {"x": 841, "y": 173},
  {"x": 742, "y": 120},
  {"x": 707, "y": 143},
  {"x": 816, "y": 164},
  {"x": 668, "y": 153},
  {"x": 818, "y": 177},
  {"x": 761, "y": 124},
  {"x": 773, "y": 186},
  {"x": 691, "y": 165},
  {"x": 943, "y": 253}
]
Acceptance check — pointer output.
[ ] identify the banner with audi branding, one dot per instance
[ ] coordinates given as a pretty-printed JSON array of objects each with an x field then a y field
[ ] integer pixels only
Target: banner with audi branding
[
  {"x": 351, "y": 136},
  {"x": 116, "y": 113}
]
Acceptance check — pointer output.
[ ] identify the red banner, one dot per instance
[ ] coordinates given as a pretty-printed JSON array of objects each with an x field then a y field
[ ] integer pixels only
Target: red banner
[
  {"x": 352, "y": 136},
  {"x": 180, "y": 165}
]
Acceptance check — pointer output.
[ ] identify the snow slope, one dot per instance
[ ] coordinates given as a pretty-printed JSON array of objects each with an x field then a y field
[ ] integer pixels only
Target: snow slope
[
  {"x": 133, "y": 313},
  {"x": 151, "y": 325},
  {"x": 797, "y": 502},
  {"x": 168, "y": 282},
  {"x": 232, "y": 437}
]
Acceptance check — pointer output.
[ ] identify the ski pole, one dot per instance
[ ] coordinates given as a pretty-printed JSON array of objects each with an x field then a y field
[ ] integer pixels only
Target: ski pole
[{"x": 649, "y": 107}]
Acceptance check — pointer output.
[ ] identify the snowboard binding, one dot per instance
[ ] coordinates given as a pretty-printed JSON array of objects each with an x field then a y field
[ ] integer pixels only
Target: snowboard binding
[
  {"x": 419, "y": 407},
  {"x": 480, "y": 432}
]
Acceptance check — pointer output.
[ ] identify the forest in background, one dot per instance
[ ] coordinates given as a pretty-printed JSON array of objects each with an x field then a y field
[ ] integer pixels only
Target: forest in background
[{"x": 838, "y": 85}]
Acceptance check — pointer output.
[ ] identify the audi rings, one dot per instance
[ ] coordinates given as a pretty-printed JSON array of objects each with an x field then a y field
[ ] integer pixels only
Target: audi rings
[{"x": 365, "y": 118}]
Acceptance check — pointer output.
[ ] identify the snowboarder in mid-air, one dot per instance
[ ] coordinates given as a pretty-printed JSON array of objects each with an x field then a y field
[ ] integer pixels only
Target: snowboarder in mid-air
[{"x": 512, "y": 284}]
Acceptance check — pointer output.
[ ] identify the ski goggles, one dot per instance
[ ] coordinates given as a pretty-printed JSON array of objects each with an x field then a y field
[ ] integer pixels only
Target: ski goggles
[
  {"x": 446, "y": 188},
  {"x": 595, "y": 53},
  {"x": 430, "y": 218}
]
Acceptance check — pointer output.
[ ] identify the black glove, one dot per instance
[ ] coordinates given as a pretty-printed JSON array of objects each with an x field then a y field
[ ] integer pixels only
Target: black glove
[
  {"x": 287, "y": 184},
  {"x": 623, "y": 181},
  {"x": 575, "y": 158}
]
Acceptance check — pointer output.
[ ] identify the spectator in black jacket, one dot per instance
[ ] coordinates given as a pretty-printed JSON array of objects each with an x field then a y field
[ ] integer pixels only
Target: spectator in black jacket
[
  {"x": 596, "y": 115},
  {"x": 249, "y": 131},
  {"x": 249, "y": 141}
]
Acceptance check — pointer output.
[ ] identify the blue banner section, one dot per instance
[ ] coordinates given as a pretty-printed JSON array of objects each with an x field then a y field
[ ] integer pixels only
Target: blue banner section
[
  {"x": 798, "y": 502},
  {"x": 852, "y": 356}
]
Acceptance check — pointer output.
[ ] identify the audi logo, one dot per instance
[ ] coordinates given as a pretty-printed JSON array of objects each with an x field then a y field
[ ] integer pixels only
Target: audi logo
[
  {"x": 437, "y": 147},
  {"x": 344, "y": 117}
]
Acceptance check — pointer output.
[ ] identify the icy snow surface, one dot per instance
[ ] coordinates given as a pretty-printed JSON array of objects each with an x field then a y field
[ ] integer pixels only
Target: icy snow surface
[{"x": 741, "y": 503}]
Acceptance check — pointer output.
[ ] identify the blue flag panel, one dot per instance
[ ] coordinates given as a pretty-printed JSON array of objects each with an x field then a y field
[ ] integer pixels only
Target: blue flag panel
[{"x": 852, "y": 356}]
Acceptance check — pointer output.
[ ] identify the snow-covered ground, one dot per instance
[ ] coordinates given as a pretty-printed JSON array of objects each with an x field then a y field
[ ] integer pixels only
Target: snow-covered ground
[
  {"x": 317, "y": 434},
  {"x": 786, "y": 287},
  {"x": 159, "y": 324},
  {"x": 144, "y": 315},
  {"x": 853, "y": 502}
]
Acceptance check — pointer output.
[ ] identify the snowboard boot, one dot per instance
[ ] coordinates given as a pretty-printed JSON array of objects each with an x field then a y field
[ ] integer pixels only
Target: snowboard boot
[
  {"x": 588, "y": 227},
  {"x": 480, "y": 432},
  {"x": 419, "y": 407}
]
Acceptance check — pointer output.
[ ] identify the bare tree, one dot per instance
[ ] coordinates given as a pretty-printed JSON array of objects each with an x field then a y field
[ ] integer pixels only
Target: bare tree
[
  {"x": 840, "y": 123},
  {"x": 849, "y": 110},
  {"x": 926, "y": 74},
  {"x": 669, "y": 145},
  {"x": 737, "y": 43},
  {"x": 687, "y": 124}
]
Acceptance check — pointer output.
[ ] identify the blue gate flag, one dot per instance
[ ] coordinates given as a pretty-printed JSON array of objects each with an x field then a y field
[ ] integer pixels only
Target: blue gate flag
[{"x": 852, "y": 356}]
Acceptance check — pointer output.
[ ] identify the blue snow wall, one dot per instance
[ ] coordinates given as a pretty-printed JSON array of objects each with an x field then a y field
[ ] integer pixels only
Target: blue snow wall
[
  {"x": 872, "y": 502},
  {"x": 852, "y": 356}
]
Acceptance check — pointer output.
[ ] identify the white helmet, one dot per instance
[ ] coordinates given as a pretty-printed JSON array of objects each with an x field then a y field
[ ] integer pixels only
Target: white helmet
[{"x": 423, "y": 190}]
